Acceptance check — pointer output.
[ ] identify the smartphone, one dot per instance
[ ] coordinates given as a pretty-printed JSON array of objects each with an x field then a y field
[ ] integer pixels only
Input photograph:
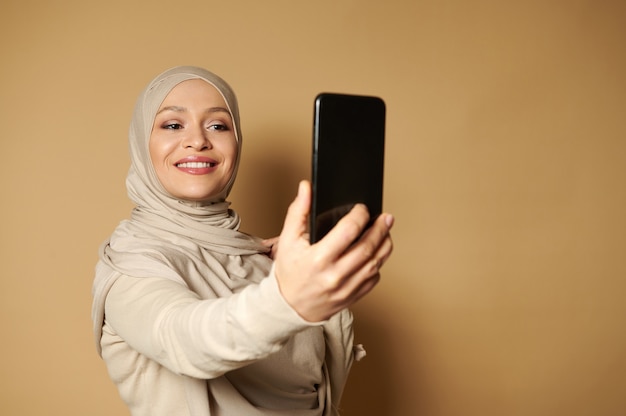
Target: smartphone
[{"x": 347, "y": 159}]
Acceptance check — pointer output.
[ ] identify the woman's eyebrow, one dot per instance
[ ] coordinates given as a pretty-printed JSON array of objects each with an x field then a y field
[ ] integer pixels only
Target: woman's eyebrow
[
  {"x": 218, "y": 110},
  {"x": 183, "y": 109},
  {"x": 172, "y": 108}
]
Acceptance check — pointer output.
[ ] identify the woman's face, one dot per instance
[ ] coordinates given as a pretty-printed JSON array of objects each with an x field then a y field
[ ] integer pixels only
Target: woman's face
[{"x": 192, "y": 144}]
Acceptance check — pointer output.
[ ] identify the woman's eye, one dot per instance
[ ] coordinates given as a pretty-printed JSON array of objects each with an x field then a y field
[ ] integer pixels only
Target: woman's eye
[
  {"x": 218, "y": 127},
  {"x": 173, "y": 126}
]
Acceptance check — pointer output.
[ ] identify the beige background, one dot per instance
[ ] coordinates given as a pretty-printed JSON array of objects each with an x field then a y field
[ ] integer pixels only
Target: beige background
[{"x": 505, "y": 170}]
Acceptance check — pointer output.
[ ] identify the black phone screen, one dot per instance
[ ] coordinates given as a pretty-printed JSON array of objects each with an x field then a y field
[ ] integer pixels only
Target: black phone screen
[{"x": 348, "y": 158}]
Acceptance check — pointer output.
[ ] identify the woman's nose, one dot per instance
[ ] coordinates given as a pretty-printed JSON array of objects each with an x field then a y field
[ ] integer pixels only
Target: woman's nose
[{"x": 197, "y": 138}]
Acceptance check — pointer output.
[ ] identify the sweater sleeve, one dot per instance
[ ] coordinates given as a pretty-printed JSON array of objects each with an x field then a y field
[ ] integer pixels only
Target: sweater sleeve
[
  {"x": 340, "y": 351},
  {"x": 171, "y": 325}
]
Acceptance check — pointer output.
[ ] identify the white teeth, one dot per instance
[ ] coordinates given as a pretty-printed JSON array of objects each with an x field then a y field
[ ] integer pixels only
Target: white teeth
[{"x": 195, "y": 165}]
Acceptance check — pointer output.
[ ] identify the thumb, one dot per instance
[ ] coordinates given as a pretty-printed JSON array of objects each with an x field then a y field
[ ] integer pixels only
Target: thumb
[{"x": 295, "y": 225}]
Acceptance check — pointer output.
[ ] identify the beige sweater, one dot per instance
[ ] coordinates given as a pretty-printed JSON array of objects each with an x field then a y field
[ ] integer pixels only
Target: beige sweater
[{"x": 254, "y": 355}]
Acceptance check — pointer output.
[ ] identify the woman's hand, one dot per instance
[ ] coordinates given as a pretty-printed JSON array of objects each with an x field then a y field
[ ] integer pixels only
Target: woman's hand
[
  {"x": 272, "y": 244},
  {"x": 321, "y": 279}
]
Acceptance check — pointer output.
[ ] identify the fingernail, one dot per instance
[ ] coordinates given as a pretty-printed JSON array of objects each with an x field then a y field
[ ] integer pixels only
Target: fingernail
[
  {"x": 389, "y": 220},
  {"x": 300, "y": 188}
]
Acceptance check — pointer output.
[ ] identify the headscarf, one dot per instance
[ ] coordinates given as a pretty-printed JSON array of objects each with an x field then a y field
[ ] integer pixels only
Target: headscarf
[
  {"x": 208, "y": 223},
  {"x": 163, "y": 229}
]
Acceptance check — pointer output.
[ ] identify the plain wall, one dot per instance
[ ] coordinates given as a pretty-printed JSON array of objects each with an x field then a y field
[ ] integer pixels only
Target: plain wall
[{"x": 506, "y": 147}]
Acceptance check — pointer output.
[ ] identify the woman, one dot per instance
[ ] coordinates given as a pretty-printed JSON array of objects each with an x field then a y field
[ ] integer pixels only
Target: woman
[{"x": 193, "y": 317}]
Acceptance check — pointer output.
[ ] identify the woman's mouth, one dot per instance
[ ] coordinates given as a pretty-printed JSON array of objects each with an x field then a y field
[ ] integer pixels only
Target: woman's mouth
[{"x": 195, "y": 165}]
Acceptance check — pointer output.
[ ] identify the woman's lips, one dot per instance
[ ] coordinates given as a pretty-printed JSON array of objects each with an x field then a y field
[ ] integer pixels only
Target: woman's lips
[{"x": 196, "y": 165}]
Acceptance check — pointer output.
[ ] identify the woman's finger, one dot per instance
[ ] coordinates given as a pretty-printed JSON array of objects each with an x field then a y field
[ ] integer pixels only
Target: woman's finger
[
  {"x": 372, "y": 248},
  {"x": 343, "y": 234},
  {"x": 295, "y": 225}
]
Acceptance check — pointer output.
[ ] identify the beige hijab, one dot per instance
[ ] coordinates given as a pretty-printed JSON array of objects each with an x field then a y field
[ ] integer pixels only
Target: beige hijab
[
  {"x": 210, "y": 224},
  {"x": 163, "y": 228}
]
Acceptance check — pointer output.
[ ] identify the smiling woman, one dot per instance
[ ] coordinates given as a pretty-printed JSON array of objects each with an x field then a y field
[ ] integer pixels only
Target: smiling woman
[
  {"x": 193, "y": 317},
  {"x": 193, "y": 148}
]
